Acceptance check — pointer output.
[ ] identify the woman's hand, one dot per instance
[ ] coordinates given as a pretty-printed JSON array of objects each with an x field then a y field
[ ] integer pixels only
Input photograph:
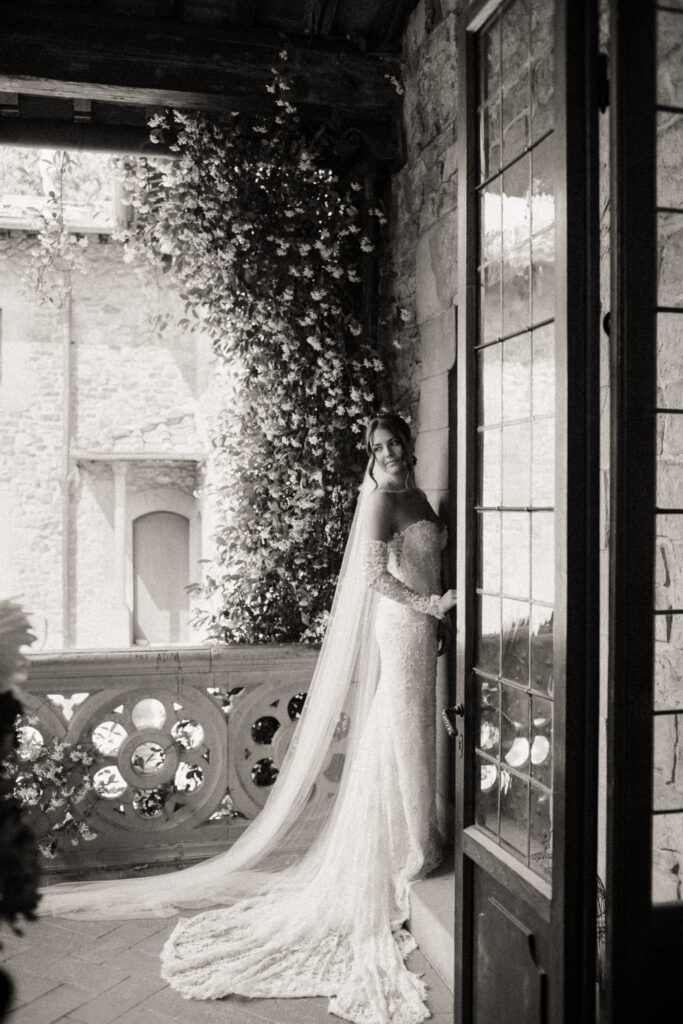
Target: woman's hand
[
  {"x": 443, "y": 636},
  {"x": 448, "y": 600}
]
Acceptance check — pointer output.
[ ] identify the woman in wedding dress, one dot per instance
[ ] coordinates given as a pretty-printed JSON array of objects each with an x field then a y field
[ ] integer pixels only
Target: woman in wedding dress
[{"x": 312, "y": 898}]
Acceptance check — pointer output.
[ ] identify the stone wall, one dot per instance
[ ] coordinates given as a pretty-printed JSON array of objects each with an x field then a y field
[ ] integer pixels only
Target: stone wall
[
  {"x": 101, "y": 378},
  {"x": 31, "y": 470},
  {"x": 117, "y": 344},
  {"x": 420, "y": 278},
  {"x": 668, "y": 731}
]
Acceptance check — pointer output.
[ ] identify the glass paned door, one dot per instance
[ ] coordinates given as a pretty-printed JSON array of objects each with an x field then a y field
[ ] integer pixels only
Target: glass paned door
[
  {"x": 516, "y": 427},
  {"x": 527, "y": 394}
]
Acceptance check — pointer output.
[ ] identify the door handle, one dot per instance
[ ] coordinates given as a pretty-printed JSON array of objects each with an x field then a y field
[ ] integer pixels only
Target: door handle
[{"x": 447, "y": 717}]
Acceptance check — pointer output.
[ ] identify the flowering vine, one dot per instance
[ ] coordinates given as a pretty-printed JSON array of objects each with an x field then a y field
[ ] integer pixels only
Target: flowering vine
[
  {"x": 58, "y": 251},
  {"x": 50, "y": 779},
  {"x": 267, "y": 242}
]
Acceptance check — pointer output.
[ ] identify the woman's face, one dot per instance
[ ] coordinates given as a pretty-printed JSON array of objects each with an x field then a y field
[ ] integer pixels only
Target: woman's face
[{"x": 389, "y": 454}]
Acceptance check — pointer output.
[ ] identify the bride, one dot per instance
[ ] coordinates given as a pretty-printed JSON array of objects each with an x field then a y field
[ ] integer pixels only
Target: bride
[{"x": 312, "y": 898}]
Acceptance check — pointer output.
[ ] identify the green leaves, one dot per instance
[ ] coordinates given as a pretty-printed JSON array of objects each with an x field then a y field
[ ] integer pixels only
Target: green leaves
[{"x": 265, "y": 240}]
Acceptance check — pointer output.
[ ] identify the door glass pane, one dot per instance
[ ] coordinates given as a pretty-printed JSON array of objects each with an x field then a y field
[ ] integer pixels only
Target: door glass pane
[
  {"x": 515, "y": 641},
  {"x": 541, "y": 644},
  {"x": 543, "y": 464},
  {"x": 540, "y": 853},
  {"x": 488, "y": 722},
  {"x": 486, "y": 793},
  {"x": 488, "y": 639},
  {"x": 516, "y": 464},
  {"x": 514, "y": 727},
  {"x": 517, "y": 204},
  {"x": 491, "y": 213},
  {"x": 515, "y": 556},
  {"x": 541, "y": 753},
  {"x": 543, "y": 376},
  {"x": 514, "y": 811},
  {"x": 517, "y": 378},
  {"x": 543, "y": 556},
  {"x": 490, "y": 309},
  {"x": 490, "y": 466},
  {"x": 516, "y": 115},
  {"x": 516, "y": 270},
  {"x": 516, "y": 552},
  {"x": 489, "y": 552},
  {"x": 542, "y": 89},
  {"x": 490, "y": 378}
]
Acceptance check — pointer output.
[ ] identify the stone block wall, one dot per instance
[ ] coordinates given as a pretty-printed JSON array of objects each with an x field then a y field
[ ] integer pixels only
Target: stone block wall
[
  {"x": 31, "y": 470},
  {"x": 117, "y": 345},
  {"x": 99, "y": 377},
  {"x": 420, "y": 279}
]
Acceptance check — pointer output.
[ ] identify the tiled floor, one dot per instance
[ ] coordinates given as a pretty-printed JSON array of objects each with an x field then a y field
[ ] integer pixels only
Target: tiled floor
[{"x": 107, "y": 972}]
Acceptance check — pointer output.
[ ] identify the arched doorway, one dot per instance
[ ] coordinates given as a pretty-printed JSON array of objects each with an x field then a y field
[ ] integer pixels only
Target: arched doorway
[{"x": 161, "y": 542}]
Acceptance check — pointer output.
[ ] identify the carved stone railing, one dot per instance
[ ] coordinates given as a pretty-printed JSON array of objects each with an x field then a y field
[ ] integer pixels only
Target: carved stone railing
[{"x": 187, "y": 743}]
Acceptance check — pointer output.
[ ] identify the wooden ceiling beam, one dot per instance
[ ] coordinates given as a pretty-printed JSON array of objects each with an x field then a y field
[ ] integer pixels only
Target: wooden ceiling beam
[{"x": 81, "y": 54}]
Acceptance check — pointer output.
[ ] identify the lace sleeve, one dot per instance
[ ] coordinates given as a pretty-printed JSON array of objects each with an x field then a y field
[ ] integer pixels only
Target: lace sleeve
[{"x": 377, "y": 577}]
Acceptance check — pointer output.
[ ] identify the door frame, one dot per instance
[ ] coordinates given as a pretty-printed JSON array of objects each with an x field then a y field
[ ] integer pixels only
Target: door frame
[
  {"x": 571, "y": 910},
  {"x": 644, "y": 940}
]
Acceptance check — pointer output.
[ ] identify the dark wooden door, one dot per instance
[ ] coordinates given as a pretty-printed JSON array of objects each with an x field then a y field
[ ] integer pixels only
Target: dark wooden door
[{"x": 528, "y": 388}]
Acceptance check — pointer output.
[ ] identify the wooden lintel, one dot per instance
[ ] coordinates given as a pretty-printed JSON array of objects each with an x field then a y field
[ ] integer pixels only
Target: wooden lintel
[
  {"x": 83, "y": 55},
  {"x": 54, "y": 133}
]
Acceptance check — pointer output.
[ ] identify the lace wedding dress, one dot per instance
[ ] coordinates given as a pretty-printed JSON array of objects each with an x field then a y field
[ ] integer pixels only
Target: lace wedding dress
[{"x": 312, "y": 900}]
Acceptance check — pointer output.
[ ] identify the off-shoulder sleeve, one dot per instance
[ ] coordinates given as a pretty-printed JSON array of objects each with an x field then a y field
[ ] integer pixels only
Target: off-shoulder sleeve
[{"x": 377, "y": 577}]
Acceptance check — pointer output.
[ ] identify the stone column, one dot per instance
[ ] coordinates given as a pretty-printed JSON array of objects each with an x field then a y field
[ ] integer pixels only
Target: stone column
[{"x": 122, "y": 605}]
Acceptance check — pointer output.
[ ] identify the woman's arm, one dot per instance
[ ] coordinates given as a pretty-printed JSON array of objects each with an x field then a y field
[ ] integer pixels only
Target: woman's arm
[{"x": 379, "y": 531}]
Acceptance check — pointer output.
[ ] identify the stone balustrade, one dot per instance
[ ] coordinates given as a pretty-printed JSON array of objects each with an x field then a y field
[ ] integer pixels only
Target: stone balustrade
[{"x": 187, "y": 742}]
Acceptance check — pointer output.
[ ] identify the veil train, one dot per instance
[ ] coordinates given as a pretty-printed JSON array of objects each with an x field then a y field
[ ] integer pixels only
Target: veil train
[{"x": 307, "y": 900}]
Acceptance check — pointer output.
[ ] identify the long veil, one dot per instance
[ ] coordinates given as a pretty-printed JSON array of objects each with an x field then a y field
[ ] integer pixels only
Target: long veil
[
  {"x": 289, "y": 837},
  {"x": 312, "y": 897}
]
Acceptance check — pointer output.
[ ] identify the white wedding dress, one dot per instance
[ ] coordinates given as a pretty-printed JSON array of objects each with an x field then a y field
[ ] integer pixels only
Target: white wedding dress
[{"x": 314, "y": 904}]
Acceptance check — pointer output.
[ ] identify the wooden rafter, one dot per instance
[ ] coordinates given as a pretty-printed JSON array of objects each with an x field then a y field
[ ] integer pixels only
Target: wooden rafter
[{"x": 84, "y": 55}]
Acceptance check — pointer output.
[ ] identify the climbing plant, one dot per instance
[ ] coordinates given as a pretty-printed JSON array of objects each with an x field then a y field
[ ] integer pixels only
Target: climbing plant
[{"x": 266, "y": 240}]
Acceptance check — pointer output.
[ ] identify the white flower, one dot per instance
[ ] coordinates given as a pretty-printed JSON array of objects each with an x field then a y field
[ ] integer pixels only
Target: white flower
[
  {"x": 283, "y": 55},
  {"x": 260, "y": 129},
  {"x": 366, "y": 245},
  {"x": 356, "y": 185},
  {"x": 356, "y": 330},
  {"x": 405, "y": 315}
]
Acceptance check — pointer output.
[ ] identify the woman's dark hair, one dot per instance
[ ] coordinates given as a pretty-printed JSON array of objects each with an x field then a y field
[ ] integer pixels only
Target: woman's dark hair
[{"x": 400, "y": 429}]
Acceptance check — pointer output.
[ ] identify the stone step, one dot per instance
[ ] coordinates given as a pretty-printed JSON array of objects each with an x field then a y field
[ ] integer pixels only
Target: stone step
[{"x": 432, "y": 919}]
